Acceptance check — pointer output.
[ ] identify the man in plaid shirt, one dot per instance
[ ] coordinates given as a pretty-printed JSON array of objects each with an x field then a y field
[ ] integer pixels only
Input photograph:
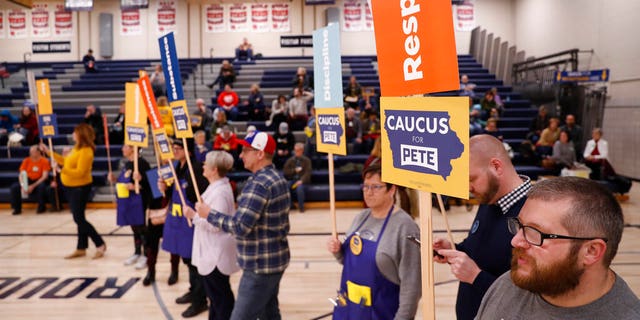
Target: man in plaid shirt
[{"x": 261, "y": 225}]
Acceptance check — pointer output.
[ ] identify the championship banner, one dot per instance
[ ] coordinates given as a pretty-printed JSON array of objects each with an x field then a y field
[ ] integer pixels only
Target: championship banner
[
  {"x": 159, "y": 134},
  {"x": 214, "y": 17},
  {"x": 327, "y": 77},
  {"x": 47, "y": 123},
  {"x": 239, "y": 17},
  {"x": 280, "y": 21},
  {"x": 1, "y": 24},
  {"x": 17, "y": 23},
  {"x": 130, "y": 22},
  {"x": 416, "y": 47},
  {"x": 40, "y": 27},
  {"x": 368, "y": 17},
  {"x": 166, "y": 17},
  {"x": 171, "y": 68},
  {"x": 425, "y": 143},
  {"x": 63, "y": 22},
  {"x": 465, "y": 17},
  {"x": 135, "y": 120},
  {"x": 352, "y": 15},
  {"x": 259, "y": 17}
]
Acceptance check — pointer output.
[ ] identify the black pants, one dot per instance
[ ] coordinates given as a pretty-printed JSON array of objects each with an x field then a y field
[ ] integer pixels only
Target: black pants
[
  {"x": 78, "y": 198},
  {"x": 39, "y": 194},
  {"x": 218, "y": 289},
  {"x": 198, "y": 297}
]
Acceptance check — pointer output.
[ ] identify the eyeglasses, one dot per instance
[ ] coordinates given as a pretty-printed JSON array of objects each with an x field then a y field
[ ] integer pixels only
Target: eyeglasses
[
  {"x": 535, "y": 237},
  {"x": 373, "y": 187}
]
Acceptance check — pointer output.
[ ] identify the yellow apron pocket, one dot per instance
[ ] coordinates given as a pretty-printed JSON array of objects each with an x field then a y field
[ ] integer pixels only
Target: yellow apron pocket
[
  {"x": 122, "y": 190},
  {"x": 357, "y": 293}
]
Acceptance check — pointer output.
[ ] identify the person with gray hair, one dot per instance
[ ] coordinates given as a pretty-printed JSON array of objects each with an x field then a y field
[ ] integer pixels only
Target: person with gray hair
[
  {"x": 297, "y": 171},
  {"x": 565, "y": 238},
  {"x": 214, "y": 251},
  {"x": 202, "y": 118}
]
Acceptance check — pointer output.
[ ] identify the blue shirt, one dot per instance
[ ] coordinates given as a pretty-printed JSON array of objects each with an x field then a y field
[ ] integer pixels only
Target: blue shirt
[{"x": 261, "y": 222}]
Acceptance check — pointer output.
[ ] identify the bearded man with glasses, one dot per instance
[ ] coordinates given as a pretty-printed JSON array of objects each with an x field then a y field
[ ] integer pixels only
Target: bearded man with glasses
[{"x": 564, "y": 240}]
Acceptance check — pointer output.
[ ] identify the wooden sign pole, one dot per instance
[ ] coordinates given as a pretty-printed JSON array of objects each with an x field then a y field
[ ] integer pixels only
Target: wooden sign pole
[
  {"x": 446, "y": 220},
  {"x": 332, "y": 198},
  {"x": 426, "y": 256},
  {"x": 135, "y": 169},
  {"x": 193, "y": 177}
]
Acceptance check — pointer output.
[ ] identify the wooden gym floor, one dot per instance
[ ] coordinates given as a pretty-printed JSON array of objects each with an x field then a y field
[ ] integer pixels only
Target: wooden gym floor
[{"x": 36, "y": 282}]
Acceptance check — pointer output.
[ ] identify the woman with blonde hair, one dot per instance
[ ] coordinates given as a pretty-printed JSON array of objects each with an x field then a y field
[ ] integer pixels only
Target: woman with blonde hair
[
  {"x": 214, "y": 251},
  {"x": 76, "y": 177}
]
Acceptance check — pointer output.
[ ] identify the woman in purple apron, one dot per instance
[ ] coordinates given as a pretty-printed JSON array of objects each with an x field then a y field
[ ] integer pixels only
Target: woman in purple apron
[
  {"x": 381, "y": 273},
  {"x": 131, "y": 206}
]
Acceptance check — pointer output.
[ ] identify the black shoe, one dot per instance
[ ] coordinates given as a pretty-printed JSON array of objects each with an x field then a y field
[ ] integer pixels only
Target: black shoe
[
  {"x": 173, "y": 278},
  {"x": 149, "y": 279},
  {"x": 186, "y": 298},
  {"x": 193, "y": 310},
  {"x": 16, "y": 212}
]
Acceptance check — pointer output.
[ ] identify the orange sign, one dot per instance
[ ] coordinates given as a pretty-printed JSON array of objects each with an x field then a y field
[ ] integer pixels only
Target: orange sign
[{"x": 416, "y": 46}]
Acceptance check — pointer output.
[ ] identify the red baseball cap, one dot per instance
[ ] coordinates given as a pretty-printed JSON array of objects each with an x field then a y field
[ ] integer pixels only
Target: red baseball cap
[{"x": 260, "y": 141}]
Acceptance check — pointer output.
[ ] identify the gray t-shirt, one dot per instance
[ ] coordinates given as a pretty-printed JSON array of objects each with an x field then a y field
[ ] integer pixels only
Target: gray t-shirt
[
  {"x": 397, "y": 258},
  {"x": 505, "y": 300}
]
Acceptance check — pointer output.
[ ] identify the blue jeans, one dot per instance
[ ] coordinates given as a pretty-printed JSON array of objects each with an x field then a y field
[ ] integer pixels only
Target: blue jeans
[
  {"x": 257, "y": 297},
  {"x": 298, "y": 193}
]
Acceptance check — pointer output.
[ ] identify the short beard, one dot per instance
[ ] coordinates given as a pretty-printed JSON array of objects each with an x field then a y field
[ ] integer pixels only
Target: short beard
[
  {"x": 492, "y": 189},
  {"x": 553, "y": 280}
]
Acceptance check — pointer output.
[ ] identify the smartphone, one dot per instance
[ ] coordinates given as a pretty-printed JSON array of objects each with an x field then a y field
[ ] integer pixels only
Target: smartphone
[{"x": 417, "y": 242}]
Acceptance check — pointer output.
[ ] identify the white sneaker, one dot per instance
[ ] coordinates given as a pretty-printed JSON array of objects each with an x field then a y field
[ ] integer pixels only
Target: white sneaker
[
  {"x": 142, "y": 263},
  {"x": 131, "y": 260}
]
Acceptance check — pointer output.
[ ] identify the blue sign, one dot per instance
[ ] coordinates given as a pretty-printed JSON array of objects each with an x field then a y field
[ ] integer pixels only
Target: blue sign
[
  {"x": 330, "y": 128},
  {"x": 422, "y": 141},
  {"x": 171, "y": 67},
  {"x": 582, "y": 76},
  {"x": 48, "y": 125},
  {"x": 327, "y": 67}
]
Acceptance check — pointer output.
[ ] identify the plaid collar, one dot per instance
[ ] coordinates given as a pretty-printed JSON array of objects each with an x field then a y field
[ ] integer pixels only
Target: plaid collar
[{"x": 507, "y": 201}]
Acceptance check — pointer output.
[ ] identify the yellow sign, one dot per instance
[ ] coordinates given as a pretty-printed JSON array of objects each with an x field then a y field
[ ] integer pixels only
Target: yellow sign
[
  {"x": 330, "y": 132},
  {"x": 44, "y": 97},
  {"x": 425, "y": 143},
  {"x": 135, "y": 125},
  {"x": 181, "y": 121}
]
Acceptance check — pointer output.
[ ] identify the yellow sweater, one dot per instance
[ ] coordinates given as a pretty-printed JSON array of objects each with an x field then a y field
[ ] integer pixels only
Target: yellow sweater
[{"x": 76, "y": 167}]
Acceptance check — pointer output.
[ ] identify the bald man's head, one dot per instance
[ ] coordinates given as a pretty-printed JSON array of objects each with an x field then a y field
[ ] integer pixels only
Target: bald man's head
[
  {"x": 483, "y": 147},
  {"x": 491, "y": 174}
]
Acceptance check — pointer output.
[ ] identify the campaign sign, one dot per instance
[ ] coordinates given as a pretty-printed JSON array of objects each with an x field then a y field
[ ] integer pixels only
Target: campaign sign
[
  {"x": 164, "y": 146},
  {"x": 582, "y": 76},
  {"x": 416, "y": 46},
  {"x": 425, "y": 143},
  {"x": 48, "y": 125},
  {"x": 181, "y": 121},
  {"x": 136, "y": 128},
  {"x": 44, "y": 97},
  {"x": 330, "y": 137},
  {"x": 150, "y": 102},
  {"x": 171, "y": 67},
  {"x": 327, "y": 66}
]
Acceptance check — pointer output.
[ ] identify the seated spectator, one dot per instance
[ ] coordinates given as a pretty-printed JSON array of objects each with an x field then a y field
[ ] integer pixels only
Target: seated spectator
[
  {"x": 220, "y": 120},
  {"x": 352, "y": 93},
  {"x": 228, "y": 100},
  {"x": 28, "y": 124},
  {"x": 310, "y": 148},
  {"x": 575, "y": 133},
  {"x": 93, "y": 117},
  {"x": 227, "y": 76},
  {"x": 36, "y": 169},
  {"x": 497, "y": 99},
  {"x": 538, "y": 124},
  {"x": 7, "y": 125},
  {"x": 116, "y": 128},
  {"x": 244, "y": 52},
  {"x": 370, "y": 131},
  {"x": 89, "y": 62},
  {"x": 298, "y": 114},
  {"x": 375, "y": 155},
  {"x": 201, "y": 119},
  {"x": 284, "y": 145},
  {"x": 158, "y": 84},
  {"x": 476, "y": 125},
  {"x": 492, "y": 128},
  {"x": 466, "y": 87},
  {"x": 227, "y": 141},
  {"x": 201, "y": 146},
  {"x": 564, "y": 154},
  {"x": 548, "y": 138},
  {"x": 488, "y": 105},
  {"x": 255, "y": 103},
  {"x": 297, "y": 171},
  {"x": 596, "y": 156},
  {"x": 278, "y": 112},
  {"x": 165, "y": 115},
  {"x": 369, "y": 101},
  {"x": 353, "y": 132},
  {"x": 302, "y": 81}
]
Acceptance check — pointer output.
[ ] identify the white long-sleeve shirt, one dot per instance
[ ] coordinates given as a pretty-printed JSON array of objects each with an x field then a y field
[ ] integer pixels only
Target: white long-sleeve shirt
[{"x": 603, "y": 148}]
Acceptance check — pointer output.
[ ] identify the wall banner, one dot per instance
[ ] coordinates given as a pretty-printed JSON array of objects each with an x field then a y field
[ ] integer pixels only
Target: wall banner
[
  {"x": 352, "y": 16},
  {"x": 280, "y": 21},
  {"x": 425, "y": 143},
  {"x": 259, "y": 17},
  {"x": 51, "y": 47},
  {"x": 166, "y": 17},
  {"x": 327, "y": 77},
  {"x": 368, "y": 17},
  {"x": 416, "y": 47},
  {"x": 130, "y": 22},
  {"x": 2, "y": 24},
  {"x": 465, "y": 16},
  {"x": 40, "y": 26},
  {"x": 215, "y": 18},
  {"x": 239, "y": 17},
  {"x": 17, "y": 23},
  {"x": 63, "y": 22}
]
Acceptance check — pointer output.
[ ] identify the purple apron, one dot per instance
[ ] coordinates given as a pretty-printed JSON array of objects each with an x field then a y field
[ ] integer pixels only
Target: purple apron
[
  {"x": 177, "y": 235},
  {"x": 130, "y": 210}
]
